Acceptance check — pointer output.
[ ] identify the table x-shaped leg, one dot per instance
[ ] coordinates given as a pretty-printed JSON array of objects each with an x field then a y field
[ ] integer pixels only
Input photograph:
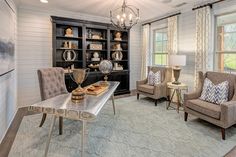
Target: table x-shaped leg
[
  {"x": 171, "y": 99},
  {"x": 113, "y": 103},
  {"x": 83, "y": 137}
]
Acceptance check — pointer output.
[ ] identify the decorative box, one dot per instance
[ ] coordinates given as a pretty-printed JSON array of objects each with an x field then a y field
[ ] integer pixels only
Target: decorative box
[{"x": 95, "y": 46}]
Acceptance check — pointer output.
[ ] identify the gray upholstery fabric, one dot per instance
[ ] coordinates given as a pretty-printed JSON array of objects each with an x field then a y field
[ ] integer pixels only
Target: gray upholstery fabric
[
  {"x": 217, "y": 78},
  {"x": 161, "y": 69},
  {"x": 204, "y": 107},
  {"x": 146, "y": 88},
  {"x": 51, "y": 82},
  {"x": 223, "y": 115},
  {"x": 159, "y": 90}
]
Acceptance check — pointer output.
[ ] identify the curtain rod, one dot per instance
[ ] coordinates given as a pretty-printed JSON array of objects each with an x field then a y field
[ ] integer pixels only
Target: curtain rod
[
  {"x": 161, "y": 18},
  {"x": 208, "y": 4}
]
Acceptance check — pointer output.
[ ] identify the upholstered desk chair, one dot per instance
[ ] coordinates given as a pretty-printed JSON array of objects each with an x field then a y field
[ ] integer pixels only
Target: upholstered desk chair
[
  {"x": 223, "y": 115},
  {"x": 155, "y": 91},
  {"x": 51, "y": 83}
]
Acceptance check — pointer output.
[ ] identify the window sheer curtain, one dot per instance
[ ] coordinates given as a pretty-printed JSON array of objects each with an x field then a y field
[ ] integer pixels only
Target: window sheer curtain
[
  {"x": 203, "y": 53},
  {"x": 145, "y": 50},
  {"x": 172, "y": 35}
]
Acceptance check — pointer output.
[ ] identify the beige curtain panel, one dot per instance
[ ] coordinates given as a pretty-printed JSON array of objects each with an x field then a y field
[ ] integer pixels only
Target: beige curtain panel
[
  {"x": 145, "y": 50},
  {"x": 203, "y": 43},
  {"x": 172, "y": 35}
]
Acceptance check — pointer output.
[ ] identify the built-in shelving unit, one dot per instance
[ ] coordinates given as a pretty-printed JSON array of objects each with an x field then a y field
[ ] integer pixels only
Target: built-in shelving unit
[{"x": 84, "y": 44}]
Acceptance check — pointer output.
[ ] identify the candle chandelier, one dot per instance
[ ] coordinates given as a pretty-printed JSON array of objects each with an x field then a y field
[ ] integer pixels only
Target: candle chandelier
[{"x": 125, "y": 16}]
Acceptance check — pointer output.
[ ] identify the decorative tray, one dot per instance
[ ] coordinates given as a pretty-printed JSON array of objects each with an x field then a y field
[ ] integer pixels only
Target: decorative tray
[{"x": 95, "y": 89}]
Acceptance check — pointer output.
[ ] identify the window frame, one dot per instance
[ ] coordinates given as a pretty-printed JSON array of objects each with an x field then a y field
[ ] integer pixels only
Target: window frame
[
  {"x": 164, "y": 29},
  {"x": 218, "y": 61}
]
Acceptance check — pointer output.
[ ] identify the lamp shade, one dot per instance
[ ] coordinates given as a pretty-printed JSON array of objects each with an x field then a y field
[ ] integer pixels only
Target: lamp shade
[{"x": 177, "y": 60}]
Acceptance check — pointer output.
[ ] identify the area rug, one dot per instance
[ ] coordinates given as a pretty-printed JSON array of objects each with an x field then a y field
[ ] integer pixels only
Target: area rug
[{"x": 139, "y": 129}]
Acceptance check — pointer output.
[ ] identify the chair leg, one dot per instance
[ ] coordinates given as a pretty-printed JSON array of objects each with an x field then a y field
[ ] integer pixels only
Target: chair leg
[
  {"x": 223, "y": 133},
  {"x": 185, "y": 116},
  {"x": 43, "y": 120},
  {"x": 156, "y": 102},
  {"x": 60, "y": 125},
  {"x": 137, "y": 96},
  {"x": 168, "y": 98}
]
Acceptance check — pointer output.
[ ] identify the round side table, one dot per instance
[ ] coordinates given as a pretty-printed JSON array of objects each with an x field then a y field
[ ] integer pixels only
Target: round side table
[{"x": 177, "y": 88}]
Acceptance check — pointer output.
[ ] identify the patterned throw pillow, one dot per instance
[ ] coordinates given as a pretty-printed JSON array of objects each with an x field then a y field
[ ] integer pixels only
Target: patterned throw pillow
[
  {"x": 217, "y": 94},
  {"x": 157, "y": 78},
  {"x": 154, "y": 78},
  {"x": 150, "y": 78}
]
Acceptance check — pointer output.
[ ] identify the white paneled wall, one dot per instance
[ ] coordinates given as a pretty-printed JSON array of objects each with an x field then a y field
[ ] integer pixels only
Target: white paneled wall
[
  {"x": 135, "y": 55},
  {"x": 35, "y": 48},
  {"x": 186, "y": 46}
]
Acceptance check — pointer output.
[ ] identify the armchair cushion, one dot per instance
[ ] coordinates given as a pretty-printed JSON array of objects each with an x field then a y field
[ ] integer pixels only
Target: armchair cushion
[
  {"x": 204, "y": 107},
  {"x": 146, "y": 88}
]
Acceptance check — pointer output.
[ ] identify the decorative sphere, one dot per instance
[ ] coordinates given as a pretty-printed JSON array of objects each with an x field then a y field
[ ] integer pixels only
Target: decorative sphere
[{"x": 105, "y": 66}]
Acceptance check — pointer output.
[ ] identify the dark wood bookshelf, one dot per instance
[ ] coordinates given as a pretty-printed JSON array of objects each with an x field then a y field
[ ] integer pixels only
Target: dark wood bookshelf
[
  {"x": 99, "y": 40},
  {"x": 122, "y": 41},
  {"x": 85, "y": 34},
  {"x": 69, "y": 49},
  {"x": 95, "y": 50},
  {"x": 69, "y": 38}
]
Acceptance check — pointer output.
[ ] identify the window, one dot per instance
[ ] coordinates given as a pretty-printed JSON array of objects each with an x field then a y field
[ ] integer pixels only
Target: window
[
  {"x": 226, "y": 42},
  {"x": 160, "y": 47}
]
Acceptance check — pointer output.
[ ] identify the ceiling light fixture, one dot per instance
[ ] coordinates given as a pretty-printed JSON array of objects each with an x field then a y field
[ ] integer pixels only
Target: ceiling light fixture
[
  {"x": 44, "y": 1},
  {"x": 125, "y": 16},
  {"x": 166, "y": 1}
]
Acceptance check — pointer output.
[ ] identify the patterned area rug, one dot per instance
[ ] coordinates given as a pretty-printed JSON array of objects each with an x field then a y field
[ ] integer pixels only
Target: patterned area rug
[{"x": 139, "y": 129}]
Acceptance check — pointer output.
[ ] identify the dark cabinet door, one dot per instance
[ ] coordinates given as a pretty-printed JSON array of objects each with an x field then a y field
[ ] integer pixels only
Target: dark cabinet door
[
  {"x": 92, "y": 78},
  {"x": 70, "y": 84},
  {"x": 123, "y": 78}
]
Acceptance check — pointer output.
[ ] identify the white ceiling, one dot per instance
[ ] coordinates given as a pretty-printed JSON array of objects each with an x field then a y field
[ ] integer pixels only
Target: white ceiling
[{"x": 149, "y": 9}]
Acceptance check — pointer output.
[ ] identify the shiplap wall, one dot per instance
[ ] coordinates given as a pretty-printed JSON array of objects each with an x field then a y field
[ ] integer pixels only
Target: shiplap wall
[
  {"x": 8, "y": 106},
  {"x": 35, "y": 48},
  {"x": 186, "y": 46},
  {"x": 187, "y": 36}
]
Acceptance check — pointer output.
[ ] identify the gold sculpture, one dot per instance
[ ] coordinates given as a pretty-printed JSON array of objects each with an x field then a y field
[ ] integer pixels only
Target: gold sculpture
[
  {"x": 118, "y": 36},
  {"x": 69, "y": 32},
  {"x": 79, "y": 75}
]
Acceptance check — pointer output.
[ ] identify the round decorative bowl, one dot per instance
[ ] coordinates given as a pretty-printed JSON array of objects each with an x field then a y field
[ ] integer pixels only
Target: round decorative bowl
[{"x": 105, "y": 66}]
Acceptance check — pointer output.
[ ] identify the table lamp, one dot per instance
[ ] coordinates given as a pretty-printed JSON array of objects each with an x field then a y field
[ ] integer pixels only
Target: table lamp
[{"x": 176, "y": 61}]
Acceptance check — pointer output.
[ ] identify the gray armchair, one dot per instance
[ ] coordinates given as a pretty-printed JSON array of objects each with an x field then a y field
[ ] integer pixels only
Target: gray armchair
[
  {"x": 51, "y": 83},
  {"x": 223, "y": 115},
  {"x": 159, "y": 90}
]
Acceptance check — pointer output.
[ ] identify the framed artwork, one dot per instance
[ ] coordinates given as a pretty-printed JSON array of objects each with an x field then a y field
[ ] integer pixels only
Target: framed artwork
[{"x": 7, "y": 37}]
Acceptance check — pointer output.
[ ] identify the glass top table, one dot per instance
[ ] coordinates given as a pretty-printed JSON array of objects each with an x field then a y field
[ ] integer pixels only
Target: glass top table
[{"x": 86, "y": 110}]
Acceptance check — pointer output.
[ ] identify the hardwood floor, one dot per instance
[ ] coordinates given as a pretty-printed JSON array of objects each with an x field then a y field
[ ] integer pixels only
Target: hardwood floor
[
  {"x": 232, "y": 153},
  {"x": 9, "y": 138}
]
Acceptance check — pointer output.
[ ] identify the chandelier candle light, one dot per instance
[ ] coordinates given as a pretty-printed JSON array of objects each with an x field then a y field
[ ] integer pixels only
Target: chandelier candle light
[{"x": 125, "y": 16}]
